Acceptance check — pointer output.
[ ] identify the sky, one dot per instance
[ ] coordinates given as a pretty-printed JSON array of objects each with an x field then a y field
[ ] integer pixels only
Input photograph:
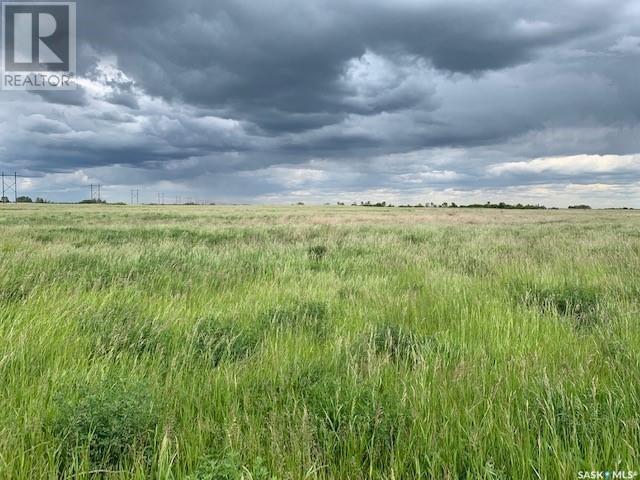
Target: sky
[{"x": 320, "y": 101}]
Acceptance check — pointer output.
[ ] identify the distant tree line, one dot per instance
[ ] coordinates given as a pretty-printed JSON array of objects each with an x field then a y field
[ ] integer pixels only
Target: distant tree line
[
  {"x": 506, "y": 206},
  {"x": 501, "y": 205},
  {"x": 25, "y": 199}
]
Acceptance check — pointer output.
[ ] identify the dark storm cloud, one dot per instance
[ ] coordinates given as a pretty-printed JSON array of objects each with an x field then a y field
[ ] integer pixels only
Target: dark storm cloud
[
  {"x": 325, "y": 95},
  {"x": 255, "y": 58}
]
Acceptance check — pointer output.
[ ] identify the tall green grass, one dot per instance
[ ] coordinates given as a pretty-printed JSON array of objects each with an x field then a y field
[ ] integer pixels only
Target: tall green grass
[{"x": 320, "y": 343}]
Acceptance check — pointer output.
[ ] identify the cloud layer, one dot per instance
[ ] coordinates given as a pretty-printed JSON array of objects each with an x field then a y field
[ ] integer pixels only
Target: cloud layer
[{"x": 333, "y": 100}]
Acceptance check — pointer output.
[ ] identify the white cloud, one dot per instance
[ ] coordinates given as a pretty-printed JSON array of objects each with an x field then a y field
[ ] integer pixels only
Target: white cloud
[
  {"x": 629, "y": 45},
  {"x": 570, "y": 165},
  {"x": 289, "y": 177},
  {"x": 377, "y": 83},
  {"x": 433, "y": 176}
]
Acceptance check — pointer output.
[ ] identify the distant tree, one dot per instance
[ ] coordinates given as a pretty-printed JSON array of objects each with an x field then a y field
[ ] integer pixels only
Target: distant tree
[
  {"x": 579, "y": 207},
  {"x": 24, "y": 199},
  {"x": 4, "y": 200}
]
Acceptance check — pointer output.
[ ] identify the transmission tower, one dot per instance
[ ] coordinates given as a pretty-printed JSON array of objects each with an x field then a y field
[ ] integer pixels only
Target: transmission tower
[
  {"x": 9, "y": 184},
  {"x": 95, "y": 193}
]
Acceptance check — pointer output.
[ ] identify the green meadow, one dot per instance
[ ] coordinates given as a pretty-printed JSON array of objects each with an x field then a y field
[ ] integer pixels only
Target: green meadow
[{"x": 317, "y": 342}]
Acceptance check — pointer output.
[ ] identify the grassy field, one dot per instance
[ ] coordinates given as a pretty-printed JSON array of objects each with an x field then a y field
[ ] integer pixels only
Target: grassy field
[{"x": 308, "y": 342}]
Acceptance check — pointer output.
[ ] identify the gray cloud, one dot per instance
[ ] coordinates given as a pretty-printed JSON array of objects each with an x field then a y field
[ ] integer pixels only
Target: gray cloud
[{"x": 251, "y": 100}]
